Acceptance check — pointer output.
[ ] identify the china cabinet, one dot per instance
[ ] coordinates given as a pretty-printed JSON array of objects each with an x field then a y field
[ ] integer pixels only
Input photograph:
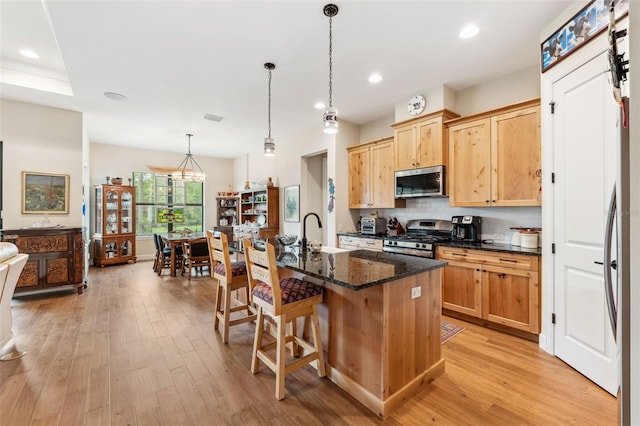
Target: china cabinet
[
  {"x": 261, "y": 208},
  {"x": 114, "y": 240},
  {"x": 494, "y": 157},
  {"x": 228, "y": 212}
]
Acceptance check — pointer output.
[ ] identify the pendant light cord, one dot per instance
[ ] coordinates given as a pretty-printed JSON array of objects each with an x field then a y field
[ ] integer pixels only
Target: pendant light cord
[
  {"x": 330, "y": 61},
  {"x": 269, "y": 108}
]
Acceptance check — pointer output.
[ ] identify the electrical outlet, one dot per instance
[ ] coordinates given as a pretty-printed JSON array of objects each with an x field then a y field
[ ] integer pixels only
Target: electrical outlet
[
  {"x": 416, "y": 292},
  {"x": 498, "y": 237},
  {"x": 340, "y": 228}
]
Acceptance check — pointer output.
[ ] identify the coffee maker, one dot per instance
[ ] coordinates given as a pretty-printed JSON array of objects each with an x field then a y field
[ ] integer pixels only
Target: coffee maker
[{"x": 466, "y": 228}]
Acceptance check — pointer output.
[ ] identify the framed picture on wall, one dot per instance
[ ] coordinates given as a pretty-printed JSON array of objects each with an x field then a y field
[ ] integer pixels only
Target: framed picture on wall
[
  {"x": 292, "y": 203},
  {"x": 45, "y": 193}
]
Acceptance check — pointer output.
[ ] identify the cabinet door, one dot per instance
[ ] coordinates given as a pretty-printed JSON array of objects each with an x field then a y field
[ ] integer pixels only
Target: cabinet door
[
  {"x": 382, "y": 176},
  {"x": 359, "y": 178},
  {"x": 462, "y": 288},
  {"x": 111, "y": 211},
  {"x": 405, "y": 147},
  {"x": 430, "y": 144},
  {"x": 511, "y": 297},
  {"x": 470, "y": 163},
  {"x": 127, "y": 211},
  {"x": 515, "y": 152}
]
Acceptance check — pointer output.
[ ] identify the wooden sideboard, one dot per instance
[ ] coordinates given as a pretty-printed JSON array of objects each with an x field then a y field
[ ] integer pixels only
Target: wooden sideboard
[{"x": 56, "y": 258}]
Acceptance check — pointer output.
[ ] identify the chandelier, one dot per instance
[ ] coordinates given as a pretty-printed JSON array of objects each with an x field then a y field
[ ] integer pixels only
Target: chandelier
[
  {"x": 269, "y": 143},
  {"x": 330, "y": 117},
  {"x": 189, "y": 170}
]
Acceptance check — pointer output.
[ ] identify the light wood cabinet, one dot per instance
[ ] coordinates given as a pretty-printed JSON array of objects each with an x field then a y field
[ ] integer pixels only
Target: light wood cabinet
[
  {"x": 114, "y": 240},
  {"x": 422, "y": 141},
  {"x": 501, "y": 288},
  {"x": 494, "y": 157},
  {"x": 355, "y": 243},
  {"x": 262, "y": 207},
  {"x": 371, "y": 176}
]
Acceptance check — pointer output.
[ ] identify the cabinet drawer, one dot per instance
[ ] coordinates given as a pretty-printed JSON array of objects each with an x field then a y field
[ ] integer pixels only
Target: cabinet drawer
[
  {"x": 511, "y": 260},
  {"x": 352, "y": 243}
]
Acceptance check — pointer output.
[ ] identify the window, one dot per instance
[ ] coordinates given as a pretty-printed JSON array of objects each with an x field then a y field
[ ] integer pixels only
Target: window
[{"x": 164, "y": 205}]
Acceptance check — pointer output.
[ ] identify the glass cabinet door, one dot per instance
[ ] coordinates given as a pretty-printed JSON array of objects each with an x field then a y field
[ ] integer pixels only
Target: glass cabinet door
[
  {"x": 127, "y": 211},
  {"x": 111, "y": 209},
  {"x": 98, "y": 216}
]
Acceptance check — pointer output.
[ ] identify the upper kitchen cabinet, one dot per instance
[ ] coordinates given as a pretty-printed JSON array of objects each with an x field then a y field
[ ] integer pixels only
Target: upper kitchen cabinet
[
  {"x": 422, "y": 141},
  {"x": 371, "y": 176},
  {"x": 494, "y": 157}
]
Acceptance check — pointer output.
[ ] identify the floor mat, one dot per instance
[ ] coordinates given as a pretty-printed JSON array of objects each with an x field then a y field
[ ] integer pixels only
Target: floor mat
[{"x": 448, "y": 330}]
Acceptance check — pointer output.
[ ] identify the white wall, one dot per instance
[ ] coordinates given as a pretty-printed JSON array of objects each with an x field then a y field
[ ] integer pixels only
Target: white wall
[
  {"x": 40, "y": 139},
  {"x": 288, "y": 167},
  {"x": 377, "y": 129},
  {"x": 112, "y": 160}
]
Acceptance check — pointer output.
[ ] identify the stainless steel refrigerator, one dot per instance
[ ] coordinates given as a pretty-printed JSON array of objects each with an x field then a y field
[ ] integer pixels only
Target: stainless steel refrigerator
[{"x": 617, "y": 267}]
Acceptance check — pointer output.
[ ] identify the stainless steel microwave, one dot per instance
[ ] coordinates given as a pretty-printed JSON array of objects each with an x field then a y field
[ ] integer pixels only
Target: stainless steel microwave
[{"x": 425, "y": 182}]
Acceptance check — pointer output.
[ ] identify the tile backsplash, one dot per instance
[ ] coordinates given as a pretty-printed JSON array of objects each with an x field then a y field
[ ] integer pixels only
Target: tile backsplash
[{"x": 496, "y": 221}]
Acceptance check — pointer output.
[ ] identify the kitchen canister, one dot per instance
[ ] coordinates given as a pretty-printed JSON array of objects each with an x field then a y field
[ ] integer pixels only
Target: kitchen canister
[
  {"x": 515, "y": 237},
  {"x": 528, "y": 239}
]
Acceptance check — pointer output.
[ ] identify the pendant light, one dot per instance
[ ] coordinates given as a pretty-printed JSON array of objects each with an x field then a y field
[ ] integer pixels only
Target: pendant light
[
  {"x": 269, "y": 143},
  {"x": 187, "y": 171},
  {"x": 330, "y": 117}
]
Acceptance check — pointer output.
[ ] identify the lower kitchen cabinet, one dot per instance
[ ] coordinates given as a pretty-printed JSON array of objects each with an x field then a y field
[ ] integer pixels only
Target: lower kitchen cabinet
[
  {"x": 349, "y": 242},
  {"x": 501, "y": 288}
]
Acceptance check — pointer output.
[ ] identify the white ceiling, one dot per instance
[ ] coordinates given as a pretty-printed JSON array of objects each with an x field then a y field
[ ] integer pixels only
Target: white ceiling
[{"x": 177, "y": 60}]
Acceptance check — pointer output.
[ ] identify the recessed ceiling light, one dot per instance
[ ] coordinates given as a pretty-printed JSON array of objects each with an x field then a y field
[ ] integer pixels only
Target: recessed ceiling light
[
  {"x": 115, "y": 96},
  {"x": 375, "y": 78},
  {"x": 319, "y": 105},
  {"x": 469, "y": 30},
  {"x": 29, "y": 53}
]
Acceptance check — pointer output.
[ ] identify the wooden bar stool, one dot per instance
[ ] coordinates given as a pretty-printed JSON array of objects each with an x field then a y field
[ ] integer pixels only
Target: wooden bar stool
[
  {"x": 284, "y": 300},
  {"x": 230, "y": 277}
]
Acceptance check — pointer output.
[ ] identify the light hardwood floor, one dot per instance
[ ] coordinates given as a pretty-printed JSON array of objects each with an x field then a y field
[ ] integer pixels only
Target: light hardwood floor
[{"x": 138, "y": 349}]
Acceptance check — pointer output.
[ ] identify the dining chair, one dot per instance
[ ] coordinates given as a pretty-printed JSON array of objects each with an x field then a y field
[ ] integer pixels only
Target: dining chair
[
  {"x": 284, "y": 300},
  {"x": 163, "y": 255},
  {"x": 231, "y": 276},
  {"x": 195, "y": 254}
]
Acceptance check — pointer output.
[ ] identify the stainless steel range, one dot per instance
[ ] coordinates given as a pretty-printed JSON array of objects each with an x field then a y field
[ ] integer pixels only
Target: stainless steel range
[{"x": 420, "y": 238}]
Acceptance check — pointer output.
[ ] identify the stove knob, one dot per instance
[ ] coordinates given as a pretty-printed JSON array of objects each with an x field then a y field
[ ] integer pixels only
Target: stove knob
[
  {"x": 417, "y": 245},
  {"x": 395, "y": 243}
]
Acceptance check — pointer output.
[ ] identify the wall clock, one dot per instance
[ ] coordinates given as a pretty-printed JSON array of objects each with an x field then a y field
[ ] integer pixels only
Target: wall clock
[{"x": 417, "y": 104}]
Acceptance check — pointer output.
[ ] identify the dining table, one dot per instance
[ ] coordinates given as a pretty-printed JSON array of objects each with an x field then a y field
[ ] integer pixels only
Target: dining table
[{"x": 175, "y": 239}]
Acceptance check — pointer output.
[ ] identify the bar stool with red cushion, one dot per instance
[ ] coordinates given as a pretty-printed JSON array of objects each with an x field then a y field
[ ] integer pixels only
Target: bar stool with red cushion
[
  {"x": 284, "y": 300},
  {"x": 231, "y": 276}
]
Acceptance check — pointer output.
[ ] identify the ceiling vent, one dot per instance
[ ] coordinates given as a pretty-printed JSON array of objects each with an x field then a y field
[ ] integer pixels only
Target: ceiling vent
[{"x": 213, "y": 117}]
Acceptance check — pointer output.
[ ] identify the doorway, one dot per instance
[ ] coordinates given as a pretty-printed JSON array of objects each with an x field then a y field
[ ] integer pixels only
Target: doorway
[{"x": 314, "y": 195}]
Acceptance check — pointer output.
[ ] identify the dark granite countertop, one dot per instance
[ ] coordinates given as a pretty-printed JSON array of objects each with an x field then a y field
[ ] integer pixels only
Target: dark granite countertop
[
  {"x": 354, "y": 269},
  {"x": 502, "y": 248}
]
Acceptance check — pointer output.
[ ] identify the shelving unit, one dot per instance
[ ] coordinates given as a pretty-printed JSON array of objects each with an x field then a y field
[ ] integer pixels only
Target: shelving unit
[
  {"x": 228, "y": 209},
  {"x": 262, "y": 207}
]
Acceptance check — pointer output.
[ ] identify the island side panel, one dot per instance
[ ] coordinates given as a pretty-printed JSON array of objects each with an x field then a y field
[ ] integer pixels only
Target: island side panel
[
  {"x": 354, "y": 340},
  {"x": 412, "y": 334}
]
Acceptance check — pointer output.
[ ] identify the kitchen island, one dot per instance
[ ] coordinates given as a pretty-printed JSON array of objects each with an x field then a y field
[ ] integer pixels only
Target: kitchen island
[{"x": 379, "y": 321}]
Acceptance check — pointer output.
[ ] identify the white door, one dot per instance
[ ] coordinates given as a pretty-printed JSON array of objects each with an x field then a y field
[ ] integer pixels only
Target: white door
[{"x": 584, "y": 144}]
